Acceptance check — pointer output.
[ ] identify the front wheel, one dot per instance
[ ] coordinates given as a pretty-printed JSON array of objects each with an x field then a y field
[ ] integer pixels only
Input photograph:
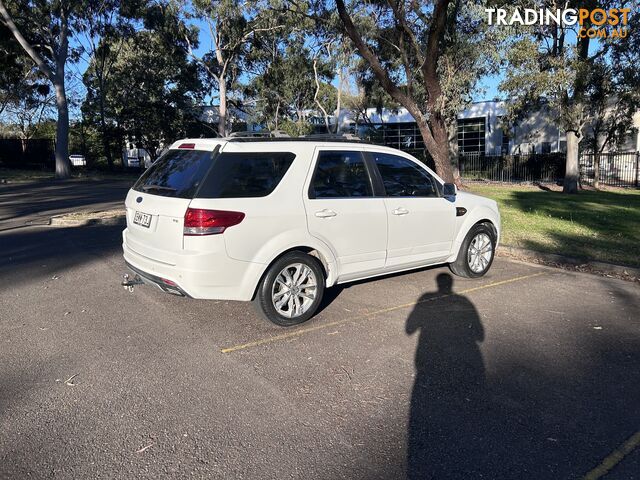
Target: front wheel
[
  {"x": 291, "y": 290},
  {"x": 476, "y": 252}
]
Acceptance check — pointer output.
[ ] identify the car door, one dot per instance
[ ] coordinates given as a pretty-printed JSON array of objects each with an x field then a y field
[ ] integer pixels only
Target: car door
[
  {"x": 343, "y": 212},
  {"x": 421, "y": 221}
]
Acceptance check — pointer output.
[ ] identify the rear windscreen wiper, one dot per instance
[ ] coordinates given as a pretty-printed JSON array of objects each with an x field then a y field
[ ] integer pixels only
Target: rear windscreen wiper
[{"x": 157, "y": 187}]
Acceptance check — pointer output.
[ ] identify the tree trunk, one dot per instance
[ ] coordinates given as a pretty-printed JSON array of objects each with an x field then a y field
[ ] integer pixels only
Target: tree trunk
[
  {"x": 596, "y": 169},
  {"x": 63, "y": 168},
  {"x": 437, "y": 144},
  {"x": 339, "y": 101},
  {"x": 222, "y": 112},
  {"x": 572, "y": 170},
  {"x": 103, "y": 126}
]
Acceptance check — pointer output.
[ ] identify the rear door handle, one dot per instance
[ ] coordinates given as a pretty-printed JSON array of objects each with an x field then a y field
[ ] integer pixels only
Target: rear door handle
[
  {"x": 400, "y": 211},
  {"x": 326, "y": 213}
]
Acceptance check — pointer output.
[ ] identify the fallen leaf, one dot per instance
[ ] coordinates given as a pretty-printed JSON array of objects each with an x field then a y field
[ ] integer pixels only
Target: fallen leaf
[{"x": 144, "y": 448}]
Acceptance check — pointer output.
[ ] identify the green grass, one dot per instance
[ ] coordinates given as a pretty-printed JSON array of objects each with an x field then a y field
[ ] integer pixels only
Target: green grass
[
  {"x": 20, "y": 175},
  {"x": 17, "y": 175},
  {"x": 599, "y": 225}
]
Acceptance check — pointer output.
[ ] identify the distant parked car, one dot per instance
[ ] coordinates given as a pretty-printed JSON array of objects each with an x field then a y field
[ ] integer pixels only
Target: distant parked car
[
  {"x": 278, "y": 220},
  {"x": 78, "y": 160},
  {"x": 134, "y": 157}
]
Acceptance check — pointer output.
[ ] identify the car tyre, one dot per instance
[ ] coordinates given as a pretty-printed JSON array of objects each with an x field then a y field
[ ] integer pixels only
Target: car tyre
[
  {"x": 476, "y": 252},
  {"x": 291, "y": 290}
]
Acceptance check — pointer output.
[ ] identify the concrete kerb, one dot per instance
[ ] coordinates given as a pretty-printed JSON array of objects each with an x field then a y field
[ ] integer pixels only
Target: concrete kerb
[{"x": 574, "y": 263}]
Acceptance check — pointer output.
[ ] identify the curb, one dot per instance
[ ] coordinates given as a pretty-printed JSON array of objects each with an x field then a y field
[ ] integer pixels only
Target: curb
[
  {"x": 562, "y": 261},
  {"x": 61, "y": 221}
]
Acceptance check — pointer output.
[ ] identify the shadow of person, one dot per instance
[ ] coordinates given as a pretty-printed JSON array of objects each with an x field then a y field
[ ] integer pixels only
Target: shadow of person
[{"x": 445, "y": 433}]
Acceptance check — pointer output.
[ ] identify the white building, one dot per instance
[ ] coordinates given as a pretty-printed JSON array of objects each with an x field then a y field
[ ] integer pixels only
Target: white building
[{"x": 480, "y": 130}]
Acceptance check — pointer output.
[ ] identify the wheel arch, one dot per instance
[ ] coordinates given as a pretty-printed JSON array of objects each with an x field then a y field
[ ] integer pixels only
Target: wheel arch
[
  {"x": 479, "y": 216},
  {"x": 324, "y": 256}
]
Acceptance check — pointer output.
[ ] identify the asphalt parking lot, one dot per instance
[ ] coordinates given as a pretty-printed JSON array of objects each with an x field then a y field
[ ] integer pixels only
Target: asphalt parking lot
[{"x": 530, "y": 372}]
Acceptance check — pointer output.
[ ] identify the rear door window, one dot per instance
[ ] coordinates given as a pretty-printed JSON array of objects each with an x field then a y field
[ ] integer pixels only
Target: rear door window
[
  {"x": 238, "y": 175},
  {"x": 340, "y": 174},
  {"x": 178, "y": 173}
]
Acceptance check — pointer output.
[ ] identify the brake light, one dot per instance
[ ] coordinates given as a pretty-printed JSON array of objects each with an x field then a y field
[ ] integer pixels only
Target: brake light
[
  {"x": 198, "y": 221},
  {"x": 187, "y": 145}
]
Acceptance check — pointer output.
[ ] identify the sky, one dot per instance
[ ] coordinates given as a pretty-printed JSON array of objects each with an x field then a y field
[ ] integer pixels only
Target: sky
[{"x": 488, "y": 89}]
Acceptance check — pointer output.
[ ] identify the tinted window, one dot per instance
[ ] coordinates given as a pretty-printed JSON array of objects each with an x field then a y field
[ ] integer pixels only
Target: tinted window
[
  {"x": 403, "y": 178},
  {"x": 236, "y": 175},
  {"x": 177, "y": 173},
  {"x": 340, "y": 175}
]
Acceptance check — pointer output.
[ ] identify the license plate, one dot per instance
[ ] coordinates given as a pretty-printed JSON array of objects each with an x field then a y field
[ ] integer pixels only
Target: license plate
[{"x": 142, "y": 219}]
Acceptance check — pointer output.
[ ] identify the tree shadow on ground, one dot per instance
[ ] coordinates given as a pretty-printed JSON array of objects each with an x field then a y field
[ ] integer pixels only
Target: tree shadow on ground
[
  {"x": 31, "y": 253},
  {"x": 20, "y": 200}
]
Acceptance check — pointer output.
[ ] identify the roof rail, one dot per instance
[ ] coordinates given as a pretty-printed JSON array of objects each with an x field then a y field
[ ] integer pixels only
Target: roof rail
[
  {"x": 334, "y": 136},
  {"x": 260, "y": 134}
]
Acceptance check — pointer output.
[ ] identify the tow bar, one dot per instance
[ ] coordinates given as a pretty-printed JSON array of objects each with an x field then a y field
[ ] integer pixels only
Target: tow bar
[{"x": 129, "y": 283}]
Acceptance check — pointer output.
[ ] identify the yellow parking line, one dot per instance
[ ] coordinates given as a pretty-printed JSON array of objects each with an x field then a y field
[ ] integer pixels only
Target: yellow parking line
[
  {"x": 614, "y": 458},
  {"x": 302, "y": 331}
]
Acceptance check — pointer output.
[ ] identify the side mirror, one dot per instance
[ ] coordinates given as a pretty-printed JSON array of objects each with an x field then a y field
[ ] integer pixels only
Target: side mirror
[{"x": 450, "y": 190}]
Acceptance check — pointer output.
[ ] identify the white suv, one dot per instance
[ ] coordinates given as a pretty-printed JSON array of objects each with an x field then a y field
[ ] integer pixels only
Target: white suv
[{"x": 279, "y": 220}]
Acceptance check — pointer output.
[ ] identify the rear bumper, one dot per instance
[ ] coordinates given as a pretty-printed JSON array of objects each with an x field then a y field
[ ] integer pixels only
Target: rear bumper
[
  {"x": 157, "y": 281},
  {"x": 212, "y": 276}
]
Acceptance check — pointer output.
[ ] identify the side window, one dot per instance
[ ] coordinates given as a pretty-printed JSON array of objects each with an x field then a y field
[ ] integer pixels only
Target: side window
[
  {"x": 403, "y": 178},
  {"x": 340, "y": 174}
]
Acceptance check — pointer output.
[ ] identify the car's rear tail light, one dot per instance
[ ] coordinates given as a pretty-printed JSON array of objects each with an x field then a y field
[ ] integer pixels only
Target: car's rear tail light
[
  {"x": 190, "y": 146},
  {"x": 198, "y": 221},
  {"x": 171, "y": 283}
]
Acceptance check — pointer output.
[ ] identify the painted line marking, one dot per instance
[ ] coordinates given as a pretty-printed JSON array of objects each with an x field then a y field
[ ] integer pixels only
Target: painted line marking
[
  {"x": 614, "y": 458},
  {"x": 370, "y": 315}
]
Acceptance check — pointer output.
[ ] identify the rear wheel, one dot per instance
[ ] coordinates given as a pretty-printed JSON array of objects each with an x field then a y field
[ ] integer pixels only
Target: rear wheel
[
  {"x": 291, "y": 290},
  {"x": 476, "y": 252}
]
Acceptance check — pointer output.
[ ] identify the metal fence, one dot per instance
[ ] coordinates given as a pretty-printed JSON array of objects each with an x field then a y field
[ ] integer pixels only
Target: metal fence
[
  {"x": 616, "y": 169},
  {"x": 512, "y": 168},
  {"x": 32, "y": 153}
]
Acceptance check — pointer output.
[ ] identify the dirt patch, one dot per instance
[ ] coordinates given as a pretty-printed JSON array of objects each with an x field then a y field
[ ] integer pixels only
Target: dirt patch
[{"x": 79, "y": 219}]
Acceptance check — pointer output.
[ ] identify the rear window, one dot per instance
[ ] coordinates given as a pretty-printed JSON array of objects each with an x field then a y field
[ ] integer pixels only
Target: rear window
[
  {"x": 178, "y": 173},
  {"x": 237, "y": 175}
]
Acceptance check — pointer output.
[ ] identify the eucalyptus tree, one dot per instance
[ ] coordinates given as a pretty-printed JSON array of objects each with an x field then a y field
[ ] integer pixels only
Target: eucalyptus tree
[
  {"x": 332, "y": 58},
  {"x": 577, "y": 77},
  {"x": 153, "y": 91},
  {"x": 233, "y": 26},
  {"x": 106, "y": 27},
  {"x": 15, "y": 73},
  {"x": 290, "y": 81},
  {"x": 141, "y": 84},
  {"x": 414, "y": 51},
  {"x": 613, "y": 101},
  {"x": 44, "y": 30}
]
